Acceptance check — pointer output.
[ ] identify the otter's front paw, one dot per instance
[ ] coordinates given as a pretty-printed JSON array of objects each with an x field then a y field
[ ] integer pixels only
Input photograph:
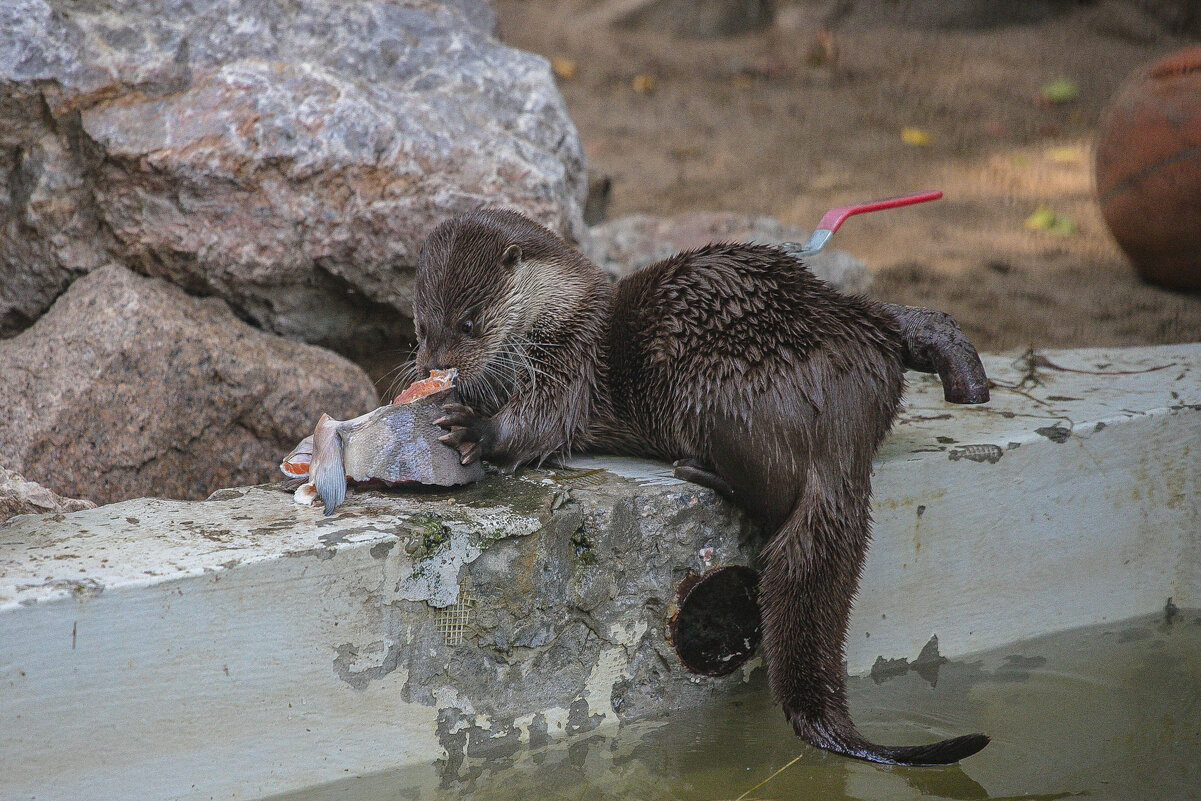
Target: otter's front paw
[{"x": 470, "y": 433}]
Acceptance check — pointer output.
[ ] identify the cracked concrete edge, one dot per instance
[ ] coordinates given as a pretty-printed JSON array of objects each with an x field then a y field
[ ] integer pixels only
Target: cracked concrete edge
[
  {"x": 268, "y": 617},
  {"x": 1070, "y": 402}
]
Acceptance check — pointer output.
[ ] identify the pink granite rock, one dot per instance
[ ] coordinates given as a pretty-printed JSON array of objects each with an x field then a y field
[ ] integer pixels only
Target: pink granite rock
[{"x": 130, "y": 387}]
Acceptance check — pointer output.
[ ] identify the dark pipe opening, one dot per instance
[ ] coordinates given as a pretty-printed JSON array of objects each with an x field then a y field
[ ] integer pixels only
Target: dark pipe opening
[{"x": 717, "y": 626}]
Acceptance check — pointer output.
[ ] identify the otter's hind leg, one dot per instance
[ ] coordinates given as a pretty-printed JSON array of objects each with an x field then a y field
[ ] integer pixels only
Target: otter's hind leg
[
  {"x": 811, "y": 572},
  {"x": 806, "y": 475},
  {"x": 697, "y": 473}
]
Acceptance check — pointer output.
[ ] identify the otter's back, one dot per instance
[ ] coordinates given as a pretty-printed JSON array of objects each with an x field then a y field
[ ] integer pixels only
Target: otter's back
[{"x": 720, "y": 331}]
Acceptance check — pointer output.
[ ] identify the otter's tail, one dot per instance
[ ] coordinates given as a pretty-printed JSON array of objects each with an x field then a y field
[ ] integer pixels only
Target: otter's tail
[
  {"x": 943, "y": 752},
  {"x": 811, "y": 574}
]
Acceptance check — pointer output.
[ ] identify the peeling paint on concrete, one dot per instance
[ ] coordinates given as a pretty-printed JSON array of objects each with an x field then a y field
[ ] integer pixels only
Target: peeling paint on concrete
[
  {"x": 380, "y": 550},
  {"x": 611, "y": 668},
  {"x": 348, "y": 662}
]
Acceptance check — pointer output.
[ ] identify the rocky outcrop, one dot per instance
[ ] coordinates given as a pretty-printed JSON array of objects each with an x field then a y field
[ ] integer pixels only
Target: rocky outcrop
[
  {"x": 257, "y": 151},
  {"x": 21, "y": 497},
  {"x": 631, "y": 243},
  {"x": 130, "y": 387}
]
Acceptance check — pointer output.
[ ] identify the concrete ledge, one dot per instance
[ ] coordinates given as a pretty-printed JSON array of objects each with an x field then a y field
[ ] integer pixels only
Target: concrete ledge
[
  {"x": 1071, "y": 498},
  {"x": 144, "y": 644}
]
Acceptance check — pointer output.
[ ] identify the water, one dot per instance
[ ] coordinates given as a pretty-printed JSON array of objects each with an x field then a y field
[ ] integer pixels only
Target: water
[{"x": 1109, "y": 712}]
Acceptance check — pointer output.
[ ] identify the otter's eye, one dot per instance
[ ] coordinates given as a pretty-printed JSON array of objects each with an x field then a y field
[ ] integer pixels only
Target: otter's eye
[{"x": 467, "y": 327}]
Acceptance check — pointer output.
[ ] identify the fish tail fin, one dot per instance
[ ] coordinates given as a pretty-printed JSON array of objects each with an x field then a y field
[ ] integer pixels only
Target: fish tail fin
[{"x": 326, "y": 470}]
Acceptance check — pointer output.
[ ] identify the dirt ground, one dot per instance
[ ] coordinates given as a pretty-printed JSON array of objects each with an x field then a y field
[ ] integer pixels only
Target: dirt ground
[{"x": 756, "y": 124}]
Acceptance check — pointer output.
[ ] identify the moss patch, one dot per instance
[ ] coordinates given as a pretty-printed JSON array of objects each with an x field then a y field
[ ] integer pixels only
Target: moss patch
[
  {"x": 427, "y": 533},
  {"x": 582, "y": 543}
]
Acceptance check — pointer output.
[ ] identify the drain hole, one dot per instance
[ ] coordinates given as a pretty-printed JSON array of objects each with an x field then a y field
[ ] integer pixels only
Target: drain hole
[{"x": 716, "y": 628}]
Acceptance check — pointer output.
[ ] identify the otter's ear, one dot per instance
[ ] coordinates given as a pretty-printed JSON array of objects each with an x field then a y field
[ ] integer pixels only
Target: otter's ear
[{"x": 511, "y": 256}]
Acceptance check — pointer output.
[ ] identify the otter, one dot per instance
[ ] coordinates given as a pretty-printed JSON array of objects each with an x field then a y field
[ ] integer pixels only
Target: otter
[{"x": 732, "y": 361}]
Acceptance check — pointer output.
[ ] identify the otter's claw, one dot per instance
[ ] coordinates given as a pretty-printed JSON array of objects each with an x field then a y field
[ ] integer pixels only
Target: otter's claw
[
  {"x": 697, "y": 473},
  {"x": 457, "y": 437},
  {"x": 470, "y": 433},
  {"x": 457, "y": 414}
]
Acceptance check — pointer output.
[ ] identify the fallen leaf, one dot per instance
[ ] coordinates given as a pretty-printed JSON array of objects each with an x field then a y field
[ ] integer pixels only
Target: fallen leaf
[
  {"x": 564, "y": 68},
  {"x": 915, "y": 137},
  {"x": 644, "y": 83},
  {"x": 823, "y": 49},
  {"x": 1061, "y": 90},
  {"x": 1049, "y": 221},
  {"x": 1066, "y": 155}
]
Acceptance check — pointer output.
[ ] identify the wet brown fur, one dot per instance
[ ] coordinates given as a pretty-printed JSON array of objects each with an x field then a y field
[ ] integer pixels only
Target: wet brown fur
[
  {"x": 766, "y": 383},
  {"x": 533, "y": 363}
]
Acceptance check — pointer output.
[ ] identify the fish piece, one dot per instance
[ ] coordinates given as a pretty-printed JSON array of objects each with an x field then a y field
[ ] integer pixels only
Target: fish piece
[
  {"x": 296, "y": 463},
  {"x": 396, "y": 444},
  {"x": 437, "y": 381},
  {"x": 306, "y": 495}
]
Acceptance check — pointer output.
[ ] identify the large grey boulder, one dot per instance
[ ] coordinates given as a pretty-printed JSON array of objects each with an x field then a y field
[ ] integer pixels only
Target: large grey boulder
[
  {"x": 129, "y": 387},
  {"x": 630, "y": 243},
  {"x": 288, "y": 156}
]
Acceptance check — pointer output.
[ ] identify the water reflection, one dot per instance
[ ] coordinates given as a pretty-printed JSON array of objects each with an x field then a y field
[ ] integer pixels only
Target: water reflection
[{"x": 1108, "y": 712}]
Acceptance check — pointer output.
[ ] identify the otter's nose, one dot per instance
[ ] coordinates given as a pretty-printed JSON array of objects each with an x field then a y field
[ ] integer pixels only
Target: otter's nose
[
  {"x": 431, "y": 360},
  {"x": 424, "y": 366}
]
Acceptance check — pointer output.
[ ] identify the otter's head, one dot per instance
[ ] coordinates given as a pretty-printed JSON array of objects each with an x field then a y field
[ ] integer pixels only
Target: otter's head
[{"x": 489, "y": 282}]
